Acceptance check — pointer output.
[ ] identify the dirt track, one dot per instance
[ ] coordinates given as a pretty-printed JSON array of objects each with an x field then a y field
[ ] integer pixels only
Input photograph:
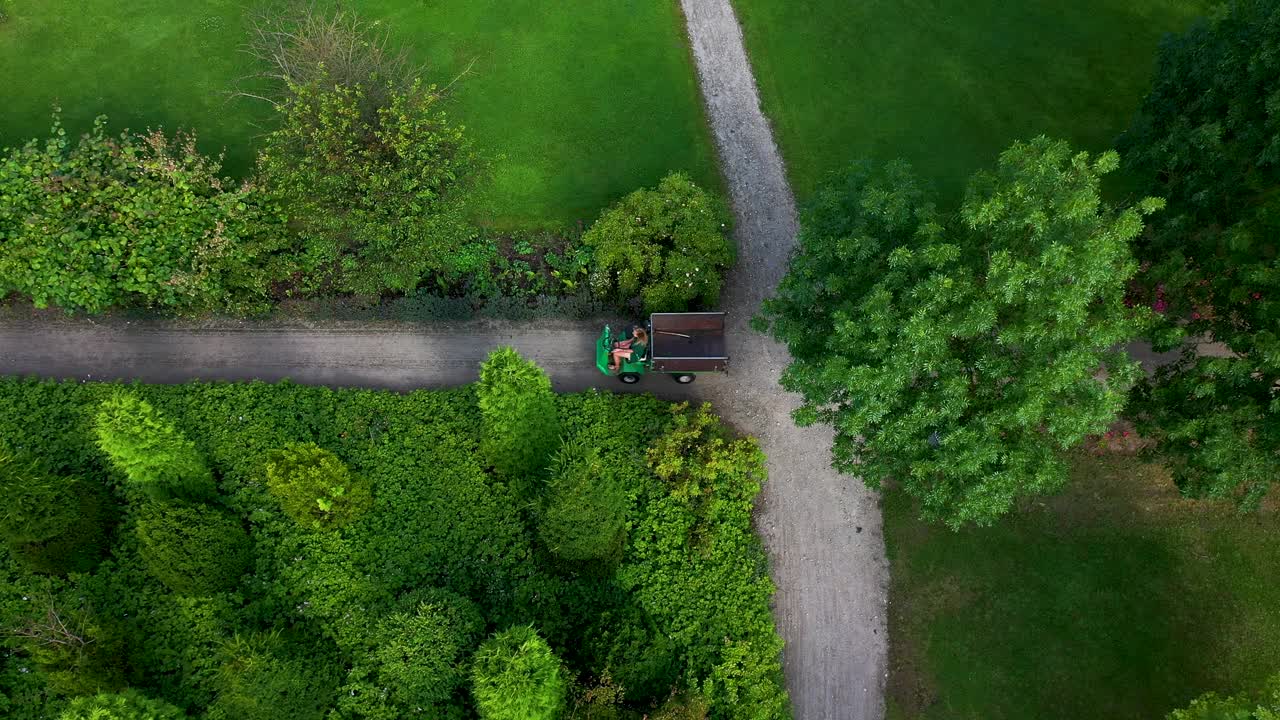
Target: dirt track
[{"x": 822, "y": 529}]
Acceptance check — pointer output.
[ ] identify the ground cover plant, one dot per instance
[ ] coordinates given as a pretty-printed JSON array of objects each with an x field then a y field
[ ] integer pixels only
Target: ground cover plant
[
  {"x": 1116, "y": 599},
  {"x": 576, "y": 123},
  {"x": 363, "y": 556},
  {"x": 947, "y": 84}
]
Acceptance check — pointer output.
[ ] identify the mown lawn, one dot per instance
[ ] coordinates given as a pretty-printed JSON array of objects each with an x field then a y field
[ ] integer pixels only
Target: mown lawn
[
  {"x": 575, "y": 104},
  {"x": 1115, "y": 600},
  {"x": 947, "y": 84}
]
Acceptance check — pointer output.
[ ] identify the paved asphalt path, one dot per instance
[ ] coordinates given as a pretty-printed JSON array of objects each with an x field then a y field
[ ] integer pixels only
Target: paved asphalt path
[{"x": 822, "y": 530}]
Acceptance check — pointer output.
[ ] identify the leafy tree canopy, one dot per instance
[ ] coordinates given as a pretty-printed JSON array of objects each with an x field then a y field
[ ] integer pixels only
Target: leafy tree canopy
[
  {"x": 1264, "y": 705},
  {"x": 960, "y": 355},
  {"x": 51, "y": 524},
  {"x": 668, "y": 246},
  {"x": 1208, "y": 138},
  {"x": 193, "y": 549},
  {"x": 584, "y": 508}
]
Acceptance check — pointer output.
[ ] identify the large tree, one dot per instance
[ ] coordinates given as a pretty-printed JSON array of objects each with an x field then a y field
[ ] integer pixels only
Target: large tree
[
  {"x": 960, "y": 355},
  {"x": 1208, "y": 138}
]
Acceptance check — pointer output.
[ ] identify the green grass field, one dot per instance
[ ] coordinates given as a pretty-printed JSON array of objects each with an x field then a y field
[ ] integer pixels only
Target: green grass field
[
  {"x": 948, "y": 84},
  {"x": 1114, "y": 600},
  {"x": 577, "y": 104}
]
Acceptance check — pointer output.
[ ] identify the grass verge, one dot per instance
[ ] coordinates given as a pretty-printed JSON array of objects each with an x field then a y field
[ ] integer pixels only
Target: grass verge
[
  {"x": 1116, "y": 599},
  {"x": 947, "y": 84},
  {"x": 575, "y": 104}
]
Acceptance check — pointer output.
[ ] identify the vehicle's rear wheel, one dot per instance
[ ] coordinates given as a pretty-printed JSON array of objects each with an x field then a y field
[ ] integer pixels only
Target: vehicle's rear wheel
[
  {"x": 629, "y": 378},
  {"x": 683, "y": 378}
]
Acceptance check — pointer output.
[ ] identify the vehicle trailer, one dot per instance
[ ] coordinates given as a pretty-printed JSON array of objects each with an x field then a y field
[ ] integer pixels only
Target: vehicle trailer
[{"x": 682, "y": 345}]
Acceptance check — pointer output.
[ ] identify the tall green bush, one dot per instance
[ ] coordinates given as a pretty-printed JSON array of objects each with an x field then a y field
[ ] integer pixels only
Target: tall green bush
[
  {"x": 51, "y": 524},
  {"x": 193, "y": 549},
  {"x": 415, "y": 660},
  {"x": 257, "y": 683},
  {"x": 583, "y": 512},
  {"x": 315, "y": 487},
  {"x": 134, "y": 220},
  {"x": 668, "y": 246},
  {"x": 372, "y": 189},
  {"x": 521, "y": 428},
  {"x": 516, "y": 676},
  {"x": 128, "y": 704},
  {"x": 155, "y": 457}
]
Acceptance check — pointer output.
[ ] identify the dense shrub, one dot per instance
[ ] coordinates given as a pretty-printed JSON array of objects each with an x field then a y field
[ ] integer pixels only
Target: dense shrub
[
  {"x": 192, "y": 549},
  {"x": 128, "y": 704},
  {"x": 584, "y": 507},
  {"x": 415, "y": 658},
  {"x": 516, "y": 676},
  {"x": 695, "y": 566},
  {"x": 370, "y": 191},
  {"x": 155, "y": 457},
  {"x": 257, "y": 684},
  {"x": 316, "y": 488},
  {"x": 338, "y": 622},
  {"x": 520, "y": 423},
  {"x": 51, "y": 524},
  {"x": 135, "y": 220},
  {"x": 668, "y": 246}
]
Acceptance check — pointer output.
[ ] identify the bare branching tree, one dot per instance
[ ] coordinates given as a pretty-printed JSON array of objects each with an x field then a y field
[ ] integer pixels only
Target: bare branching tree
[
  {"x": 306, "y": 42},
  {"x": 54, "y": 628}
]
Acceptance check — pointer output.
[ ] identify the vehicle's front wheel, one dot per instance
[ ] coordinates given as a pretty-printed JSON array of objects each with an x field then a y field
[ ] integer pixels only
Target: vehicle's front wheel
[
  {"x": 683, "y": 378},
  {"x": 629, "y": 378}
]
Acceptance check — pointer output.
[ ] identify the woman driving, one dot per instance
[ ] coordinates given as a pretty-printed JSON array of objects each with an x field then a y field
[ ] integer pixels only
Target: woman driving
[{"x": 629, "y": 349}]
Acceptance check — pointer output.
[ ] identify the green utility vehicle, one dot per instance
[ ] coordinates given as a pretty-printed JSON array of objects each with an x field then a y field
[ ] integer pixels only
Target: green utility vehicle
[{"x": 681, "y": 345}]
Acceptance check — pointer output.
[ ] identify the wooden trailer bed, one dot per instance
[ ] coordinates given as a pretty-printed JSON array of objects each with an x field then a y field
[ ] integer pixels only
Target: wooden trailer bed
[{"x": 688, "y": 342}]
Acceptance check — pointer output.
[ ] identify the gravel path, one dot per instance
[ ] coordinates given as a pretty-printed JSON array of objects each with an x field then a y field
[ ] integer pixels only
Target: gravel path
[{"x": 822, "y": 529}]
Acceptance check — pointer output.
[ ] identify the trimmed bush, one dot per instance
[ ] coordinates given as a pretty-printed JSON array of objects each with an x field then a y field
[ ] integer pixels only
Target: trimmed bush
[
  {"x": 521, "y": 427},
  {"x": 584, "y": 507},
  {"x": 128, "y": 704},
  {"x": 516, "y": 677},
  {"x": 192, "y": 549},
  {"x": 668, "y": 246},
  {"x": 316, "y": 488},
  {"x": 155, "y": 457},
  {"x": 51, "y": 524}
]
